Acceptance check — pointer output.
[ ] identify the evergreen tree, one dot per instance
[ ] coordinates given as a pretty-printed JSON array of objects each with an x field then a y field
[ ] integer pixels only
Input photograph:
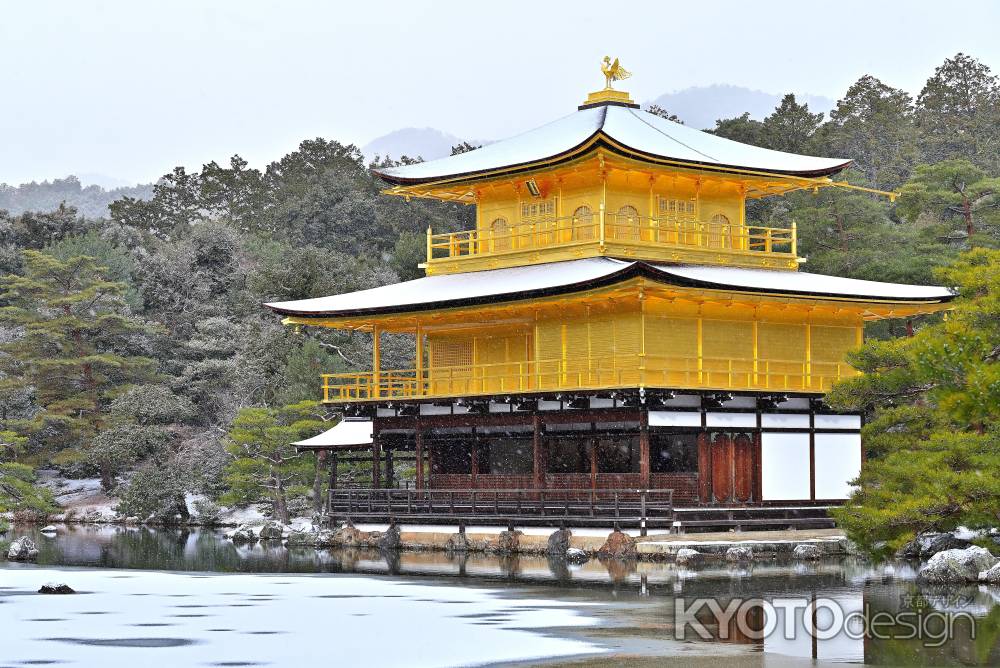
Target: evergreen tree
[
  {"x": 78, "y": 345},
  {"x": 791, "y": 127},
  {"x": 934, "y": 402},
  {"x": 958, "y": 114},
  {"x": 873, "y": 125},
  {"x": 956, "y": 191},
  {"x": 265, "y": 466}
]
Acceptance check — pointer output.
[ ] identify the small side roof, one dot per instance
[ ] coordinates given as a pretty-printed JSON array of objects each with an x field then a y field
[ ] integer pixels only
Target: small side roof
[
  {"x": 347, "y": 434},
  {"x": 631, "y": 132},
  {"x": 516, "y": 283}
]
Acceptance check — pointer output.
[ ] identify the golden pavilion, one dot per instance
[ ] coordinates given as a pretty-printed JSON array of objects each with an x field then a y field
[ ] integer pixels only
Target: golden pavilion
[{"x": 613, "y": 322}]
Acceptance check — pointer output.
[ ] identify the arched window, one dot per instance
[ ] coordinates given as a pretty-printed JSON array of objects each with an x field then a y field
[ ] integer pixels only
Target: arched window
[
  {"x": 627, "y": 223},
  {"x": 500, "y": 233},
  {"x": 719, "y": 232},
  {"x": 583, "y": 223}
]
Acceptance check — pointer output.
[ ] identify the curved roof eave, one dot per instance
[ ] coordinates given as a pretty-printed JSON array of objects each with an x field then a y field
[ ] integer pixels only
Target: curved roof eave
[
  {"x": 630, "y": 132},
  {"x": 603, "y": 272}
]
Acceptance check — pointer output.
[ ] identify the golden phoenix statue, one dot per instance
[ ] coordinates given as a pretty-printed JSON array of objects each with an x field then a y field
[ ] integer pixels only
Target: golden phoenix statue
[{"x": 613, "y": 71}]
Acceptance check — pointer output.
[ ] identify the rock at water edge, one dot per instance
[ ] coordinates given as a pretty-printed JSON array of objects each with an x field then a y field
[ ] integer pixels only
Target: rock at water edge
[
  {"x": 739, "y": 553},
  {"x": 686, "y": 555},
  {"x": 807, "y": 552},
  {"x": 619, "y": 545},
  {"x": 559, "y": 542},
  {"x": 509, "y": 541},
  {"x": 22, "y": 549},
  {"x": 390, "y": 540},
  {"x": 955, "y": 566},
  {"x": 272, "y": 531}
]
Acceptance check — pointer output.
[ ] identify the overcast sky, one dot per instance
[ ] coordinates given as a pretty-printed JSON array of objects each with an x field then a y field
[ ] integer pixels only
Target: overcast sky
[{"x": 129, "y": 89}]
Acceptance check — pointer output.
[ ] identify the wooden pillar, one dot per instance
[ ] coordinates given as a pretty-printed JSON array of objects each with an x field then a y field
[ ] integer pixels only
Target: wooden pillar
[
  {"x": 420, "y": 389},
  {"x": 474, "y": 458},
  {"x": 644, "y": 448},
  {"x": 536, "y": 444},
  {"x": 390, "y": 473},
  {"x": 376, "y": 362},
  {"x": 332, "y": 461},
  {"x": 812, "y": 455},
  {"x": 704, "y": 467},
  {"x": 593, "y": 462},
  {"x": 376, "y": 461},
  {"x": 418, "y": 437}
]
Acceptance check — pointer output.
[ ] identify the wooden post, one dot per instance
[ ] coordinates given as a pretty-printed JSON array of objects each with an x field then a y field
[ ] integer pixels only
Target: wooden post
[
  {"x": 644, "y": 448},
  {"x": 332, "y": 459},
  {"x": 593, "y": 464},
  {"x": 390, "y": 473},
  {"x": 474, "y": 458},
  {"x": 704, "y": 468},
  {"x": 376, "y": 460},
  {"x": 536, "y": 444},
  {"x": 376, "y": 363},
  {"x": 420, "y": 389},
  {"x": 419, "y": 439}
]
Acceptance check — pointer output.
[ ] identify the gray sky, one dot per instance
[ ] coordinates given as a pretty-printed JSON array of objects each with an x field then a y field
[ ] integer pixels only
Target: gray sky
[{"x": 129, "y": 89}]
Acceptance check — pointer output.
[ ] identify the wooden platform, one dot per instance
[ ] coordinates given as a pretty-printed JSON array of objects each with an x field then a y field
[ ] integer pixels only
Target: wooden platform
[{"x": 625, "y": 508}]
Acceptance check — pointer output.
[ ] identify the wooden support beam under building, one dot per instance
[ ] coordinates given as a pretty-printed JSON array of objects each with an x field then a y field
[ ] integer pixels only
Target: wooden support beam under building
[
  {"x": 644, "y": 449},
  {"x": 418, "y": 438},
  {"x": 538, "y": 465}
]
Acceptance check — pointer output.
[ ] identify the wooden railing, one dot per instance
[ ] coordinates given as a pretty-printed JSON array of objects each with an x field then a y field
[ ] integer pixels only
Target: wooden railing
[
  {"x": 628, "y": 507},
  {"x": 614, "y": 228},
  {"x": 582, "y": 373}
]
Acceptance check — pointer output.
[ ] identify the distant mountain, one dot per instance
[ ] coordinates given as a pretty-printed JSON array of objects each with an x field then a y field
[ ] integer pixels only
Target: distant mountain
[
  {"x": 103, "y": 180},
  {"x": 91, "y": 201},
  {"x": 426, "y": 143},
  {"x": 700, "y": 106}
]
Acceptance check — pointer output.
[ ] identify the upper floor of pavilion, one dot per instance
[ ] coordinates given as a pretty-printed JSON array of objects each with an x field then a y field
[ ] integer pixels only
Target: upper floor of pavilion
[{"x": 612, "y": 180}]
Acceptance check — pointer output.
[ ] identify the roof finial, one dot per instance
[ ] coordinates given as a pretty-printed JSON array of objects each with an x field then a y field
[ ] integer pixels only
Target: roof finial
[{"x": 612, "y": 71}]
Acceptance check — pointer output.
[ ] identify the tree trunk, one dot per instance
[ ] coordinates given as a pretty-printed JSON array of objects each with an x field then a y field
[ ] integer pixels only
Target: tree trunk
[
  {"x": 280, "y": 502},
  {"x": 318, "y": 482},
  {"x": 967, "y": 215}
]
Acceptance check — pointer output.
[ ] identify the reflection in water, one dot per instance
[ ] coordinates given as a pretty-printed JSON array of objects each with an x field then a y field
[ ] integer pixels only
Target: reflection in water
[{"x": 636, "y": 603}]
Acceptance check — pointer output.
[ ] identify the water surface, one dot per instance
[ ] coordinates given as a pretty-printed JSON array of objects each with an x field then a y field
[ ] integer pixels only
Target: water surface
[{"x": 193, "y": 598}]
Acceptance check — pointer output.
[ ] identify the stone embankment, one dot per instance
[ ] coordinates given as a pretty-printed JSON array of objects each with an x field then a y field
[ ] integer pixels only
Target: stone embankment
[{"x": 562, "y": 543}]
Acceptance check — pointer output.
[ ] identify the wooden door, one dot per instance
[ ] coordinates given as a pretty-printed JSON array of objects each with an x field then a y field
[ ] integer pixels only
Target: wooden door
[
  {"x": 742, "y": 468},
  {"x": 722, "y": 467},
  {"x": 726, "y": 463}
]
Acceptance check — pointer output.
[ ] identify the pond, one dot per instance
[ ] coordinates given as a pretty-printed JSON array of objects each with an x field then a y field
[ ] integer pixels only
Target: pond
[{"x": 192, "y": 598}]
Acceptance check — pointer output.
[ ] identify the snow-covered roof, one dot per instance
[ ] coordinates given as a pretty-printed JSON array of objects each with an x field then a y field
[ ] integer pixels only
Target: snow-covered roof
[
  {"x": 347, "y": 433},
  {"x": 800, "y": 282},
  {"x": 514, "y": 283},
  {"x": 632, "y": 131}
]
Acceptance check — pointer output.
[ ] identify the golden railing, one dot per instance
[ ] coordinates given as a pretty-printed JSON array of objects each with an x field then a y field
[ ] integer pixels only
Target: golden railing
[
  {"x": 587, "y": 374},
  {"x": 666, "y": 232}
]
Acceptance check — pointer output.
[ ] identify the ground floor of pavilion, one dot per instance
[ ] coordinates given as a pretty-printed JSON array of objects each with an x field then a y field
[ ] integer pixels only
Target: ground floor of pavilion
[{"x": 589, "y": 456}]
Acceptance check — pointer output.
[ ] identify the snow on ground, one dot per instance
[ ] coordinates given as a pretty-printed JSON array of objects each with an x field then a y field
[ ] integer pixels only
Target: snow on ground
[{"x": 121, "y": 618}]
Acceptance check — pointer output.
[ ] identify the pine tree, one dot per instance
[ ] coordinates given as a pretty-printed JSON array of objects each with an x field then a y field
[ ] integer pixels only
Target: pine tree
[
  {"x": 265, "y": 465},
  {"x": 77, "y": 346},
  {"x": 934, "y": 401}
]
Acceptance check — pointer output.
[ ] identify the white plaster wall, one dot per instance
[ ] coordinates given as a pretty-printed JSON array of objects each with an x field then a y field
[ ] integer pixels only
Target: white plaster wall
[
  {"x": 784, "y": 466},
  {"x": 838, "y": 460}
]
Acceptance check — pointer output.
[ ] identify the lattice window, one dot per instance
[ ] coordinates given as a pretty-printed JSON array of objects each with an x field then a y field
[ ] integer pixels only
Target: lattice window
[
  {"x": 538, "y": 210},
  {"x": 583, "y": 224},
  {"x": 451, "y": 352},
  {"x": 719, "y": 232},
  {"x": 679, "y": 210},
  {"x": 500, "y": 231},
  {"x": 627, "y": 223}
]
